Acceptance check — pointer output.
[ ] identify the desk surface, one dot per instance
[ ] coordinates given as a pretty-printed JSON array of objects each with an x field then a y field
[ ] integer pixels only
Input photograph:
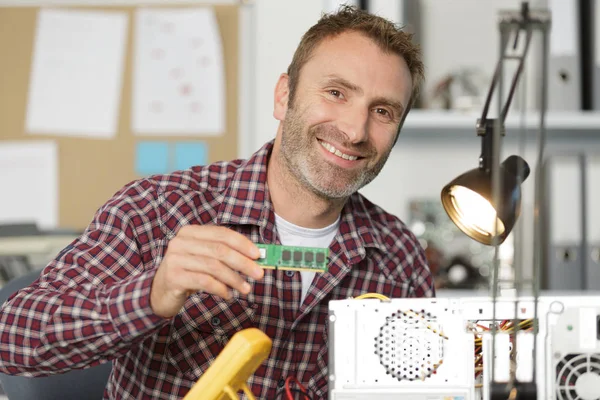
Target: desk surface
[{"x": 34, "y": 245}]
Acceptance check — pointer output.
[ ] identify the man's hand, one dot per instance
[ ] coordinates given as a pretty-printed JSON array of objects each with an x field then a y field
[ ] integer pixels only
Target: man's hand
[{"x": 203, "y": 258}]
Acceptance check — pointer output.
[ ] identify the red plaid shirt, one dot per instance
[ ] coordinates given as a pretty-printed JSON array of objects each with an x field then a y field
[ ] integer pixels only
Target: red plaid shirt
[{"x": 91, "y": 303}]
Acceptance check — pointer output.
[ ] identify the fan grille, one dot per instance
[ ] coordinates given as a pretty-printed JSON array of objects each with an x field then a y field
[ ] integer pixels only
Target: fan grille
[
  {"x": 578, "y": 377},
  {"x": 410, "y": 345}
]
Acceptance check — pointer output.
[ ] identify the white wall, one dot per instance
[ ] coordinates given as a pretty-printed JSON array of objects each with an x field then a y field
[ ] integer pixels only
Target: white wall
[
  {"x": 464, "y": 33},
  {"x": 279, "y": 27}
]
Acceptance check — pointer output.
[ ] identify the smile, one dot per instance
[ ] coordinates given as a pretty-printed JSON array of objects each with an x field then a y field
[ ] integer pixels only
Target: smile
[{"x": 338, "y": 153}]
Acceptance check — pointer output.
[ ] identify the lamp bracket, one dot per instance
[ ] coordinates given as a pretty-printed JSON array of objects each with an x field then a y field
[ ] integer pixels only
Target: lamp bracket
[
  {"x": 486, "y": 127},
  {"x": 485, "y": 130}
]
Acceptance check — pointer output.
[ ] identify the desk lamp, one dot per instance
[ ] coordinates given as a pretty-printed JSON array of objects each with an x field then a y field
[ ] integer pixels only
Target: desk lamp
[
  {"x": 485, "y": 202},
  {"x": 469, "y": 199}
]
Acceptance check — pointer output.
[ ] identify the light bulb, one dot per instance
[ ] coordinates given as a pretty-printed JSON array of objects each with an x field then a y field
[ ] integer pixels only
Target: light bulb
[{"x": 475, "y": 211}]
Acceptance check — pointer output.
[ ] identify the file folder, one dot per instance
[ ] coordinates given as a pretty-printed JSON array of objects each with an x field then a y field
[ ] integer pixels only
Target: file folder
[
  {"x": 593, "y": 222},
  {"x": 564, "y": 66},
  {"x": 563, "y": 266}
]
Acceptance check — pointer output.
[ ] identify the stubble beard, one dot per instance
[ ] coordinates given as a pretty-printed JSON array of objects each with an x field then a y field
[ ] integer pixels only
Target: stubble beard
[{"x": 325, "y": 180}]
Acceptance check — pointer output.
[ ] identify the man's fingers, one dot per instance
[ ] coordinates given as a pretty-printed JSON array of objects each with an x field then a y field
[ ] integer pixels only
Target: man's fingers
[
  {"x": 221, "y": 234},
  {"x": 195, "y": 282},
  {"x": 219, "y": 251},
  {"x": 213, "y": 268},
  {"x": 234, "y": 259}
]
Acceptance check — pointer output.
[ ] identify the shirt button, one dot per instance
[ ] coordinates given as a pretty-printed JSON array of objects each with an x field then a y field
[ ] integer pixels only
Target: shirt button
[
  {"x": 215, "y": 321},
  {"x": 290, "y": 273},
  {"x": 281, "y": 383}
]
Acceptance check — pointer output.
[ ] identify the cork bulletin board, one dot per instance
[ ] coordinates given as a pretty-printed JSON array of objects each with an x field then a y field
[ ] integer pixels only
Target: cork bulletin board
[{"x": 92, "y": 170}]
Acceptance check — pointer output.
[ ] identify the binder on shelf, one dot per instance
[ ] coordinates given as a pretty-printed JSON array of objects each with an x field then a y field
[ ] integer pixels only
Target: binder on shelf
[
  {"x": 593, "y": 222},
  {"x": 564, "y": 67},
  {"x": 563, "y": 265}
]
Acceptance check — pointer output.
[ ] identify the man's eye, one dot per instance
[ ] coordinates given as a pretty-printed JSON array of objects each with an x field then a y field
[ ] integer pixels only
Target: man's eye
[
  {"x": 383, "y": 112},
  {"x": 335, "y": 93}
]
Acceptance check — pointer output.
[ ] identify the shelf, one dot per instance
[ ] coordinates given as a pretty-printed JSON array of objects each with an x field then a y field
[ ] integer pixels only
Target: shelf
[{"x": 440, "y": 123}]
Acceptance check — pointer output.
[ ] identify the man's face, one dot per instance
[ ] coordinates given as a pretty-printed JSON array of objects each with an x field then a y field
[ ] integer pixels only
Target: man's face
[{"x": 340, "y": 129}]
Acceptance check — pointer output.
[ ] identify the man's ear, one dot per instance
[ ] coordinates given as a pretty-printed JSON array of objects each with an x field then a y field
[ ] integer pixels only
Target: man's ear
[{"x": 282, "y": 96}]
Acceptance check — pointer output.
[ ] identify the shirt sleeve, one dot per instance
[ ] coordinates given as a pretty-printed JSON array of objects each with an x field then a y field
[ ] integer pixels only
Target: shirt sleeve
[{"x": 92, "y": 302}]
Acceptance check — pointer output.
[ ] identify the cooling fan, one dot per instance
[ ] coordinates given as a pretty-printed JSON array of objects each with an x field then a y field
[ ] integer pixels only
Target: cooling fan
[
  {"x": 410, "y": 345},
  {"x": 412, "y": 348},
  {"x": 575, "y": 349},
  {"x": 578, "y": 377}
]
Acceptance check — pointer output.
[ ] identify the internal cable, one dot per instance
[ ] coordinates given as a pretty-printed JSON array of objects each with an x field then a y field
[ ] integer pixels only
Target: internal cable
[
  {"x": 372, "y": 296},
  {"x": 289, "y": 390},
  {"x": 505, "y": 326}
]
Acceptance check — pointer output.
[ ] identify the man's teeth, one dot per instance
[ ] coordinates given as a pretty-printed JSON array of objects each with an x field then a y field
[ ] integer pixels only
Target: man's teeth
[{"x": 338, "y": 153}]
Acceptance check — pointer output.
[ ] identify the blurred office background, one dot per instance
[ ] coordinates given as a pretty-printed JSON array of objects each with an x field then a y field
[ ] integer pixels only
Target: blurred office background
[{"x": 243, "y": 47}]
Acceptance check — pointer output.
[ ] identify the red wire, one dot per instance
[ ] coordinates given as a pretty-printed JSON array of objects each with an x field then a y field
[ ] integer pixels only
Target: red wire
[
  {"x": 287, "y": 387},
  {"x": 504, "y": 323}
]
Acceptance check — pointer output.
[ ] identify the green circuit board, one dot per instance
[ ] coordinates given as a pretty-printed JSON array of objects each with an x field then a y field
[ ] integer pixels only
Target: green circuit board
[{"x": 295, "y": 258}]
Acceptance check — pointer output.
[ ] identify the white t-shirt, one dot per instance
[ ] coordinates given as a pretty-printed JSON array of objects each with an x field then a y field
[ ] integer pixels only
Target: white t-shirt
[{"x": 294, "y": 235}]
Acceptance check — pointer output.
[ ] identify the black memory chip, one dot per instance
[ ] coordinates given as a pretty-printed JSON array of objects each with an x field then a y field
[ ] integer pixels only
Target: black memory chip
[
  {"x": 286, "y": 255},
  {"x": 320, "y": 257},
  {"x": 297, "y": 256},
  {"x": 309, "y": 257}
]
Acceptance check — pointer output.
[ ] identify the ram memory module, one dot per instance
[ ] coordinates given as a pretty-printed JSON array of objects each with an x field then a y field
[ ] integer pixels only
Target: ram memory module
[{"x": 313, "y": 259}]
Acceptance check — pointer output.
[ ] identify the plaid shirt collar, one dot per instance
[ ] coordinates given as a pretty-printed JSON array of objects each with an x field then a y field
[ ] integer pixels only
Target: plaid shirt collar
[{"x": 244, "y": 205}]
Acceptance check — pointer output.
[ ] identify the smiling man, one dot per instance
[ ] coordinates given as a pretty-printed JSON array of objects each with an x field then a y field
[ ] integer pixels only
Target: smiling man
[
  {"x": 165, "y": 273},
  {"x": 338, "y": 125}
]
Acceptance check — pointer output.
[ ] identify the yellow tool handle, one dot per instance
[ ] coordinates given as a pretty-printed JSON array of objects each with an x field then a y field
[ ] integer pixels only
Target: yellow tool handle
[{"x": 230, "y": 371}]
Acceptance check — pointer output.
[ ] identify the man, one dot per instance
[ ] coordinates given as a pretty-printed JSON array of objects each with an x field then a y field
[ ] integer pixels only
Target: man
[{"x": 165, "y": 274}]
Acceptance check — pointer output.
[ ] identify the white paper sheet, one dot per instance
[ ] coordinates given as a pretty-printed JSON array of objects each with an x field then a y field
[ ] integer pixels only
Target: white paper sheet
[
  {"x": 77, "y": 72},
  {"x": 29, "y": 182},
  {"x": 178, "y": 82}
]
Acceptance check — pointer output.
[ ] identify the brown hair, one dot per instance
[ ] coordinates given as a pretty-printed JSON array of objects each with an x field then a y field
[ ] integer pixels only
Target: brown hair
[{"x": 386, "y": 34}]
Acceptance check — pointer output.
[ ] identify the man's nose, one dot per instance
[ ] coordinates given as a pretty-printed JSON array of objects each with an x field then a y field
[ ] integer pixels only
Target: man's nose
[{"x": 354, "y": 124}]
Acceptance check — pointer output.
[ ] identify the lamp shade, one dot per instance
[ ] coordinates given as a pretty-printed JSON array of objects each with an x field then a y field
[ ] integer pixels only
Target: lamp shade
[{"x": 468, "y": 201}]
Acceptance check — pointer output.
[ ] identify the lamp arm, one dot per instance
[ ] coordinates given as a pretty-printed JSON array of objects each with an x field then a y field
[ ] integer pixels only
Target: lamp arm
[
  {"x": 517, "y": 75},
  {"x": 495, "y": 78},
  {"x": 490, "y": 93}
]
